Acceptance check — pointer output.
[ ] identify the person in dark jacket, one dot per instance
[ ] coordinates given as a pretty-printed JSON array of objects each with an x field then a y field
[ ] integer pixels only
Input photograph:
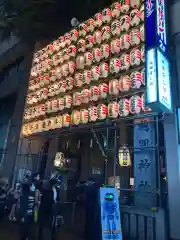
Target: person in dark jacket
[{"x": 27, "y": 202}]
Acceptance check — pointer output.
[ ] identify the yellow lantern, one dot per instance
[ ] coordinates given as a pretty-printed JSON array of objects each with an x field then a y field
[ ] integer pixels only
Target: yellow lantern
[{"x": 124, "y": 157}]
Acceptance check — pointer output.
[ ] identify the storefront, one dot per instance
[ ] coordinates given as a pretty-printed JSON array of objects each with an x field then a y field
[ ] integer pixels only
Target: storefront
[{"x": 95, "y": 108}]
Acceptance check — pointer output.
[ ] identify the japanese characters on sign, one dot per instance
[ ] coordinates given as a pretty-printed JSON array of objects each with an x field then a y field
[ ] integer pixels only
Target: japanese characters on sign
[
  {"x": 164, "y": 81},
  {"x": 161, "y": 25},
  {"x": 151, "y": 77}
]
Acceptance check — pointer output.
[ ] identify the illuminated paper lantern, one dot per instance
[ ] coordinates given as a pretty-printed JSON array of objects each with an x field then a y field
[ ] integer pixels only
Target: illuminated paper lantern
[
  {"x": 104, "y": 70},
  {"x": 125, "y": 21},
  {"x": 51, "y": 90},
  {"x": 135, "y": 3},
  {"x": 65, "y": 69},
  {"x": 135, "y": 16},
  {"x": 77, "y": 98},
  {"x": 124, "y": 107},
  {"x": 113, "y": 110},
  {"x": 88, "y": 56},
  {"x": 82, "y": 30},
  {"x": 68, "y": 101},
  {"x": 125, "y": 41},
  {"x": 61, "y": 103},
  {"x": 135, "y": 37},
  {"x": 90, "y": 25},
  {"x": 58, "y": 72},
  {"x": 102, "y": 111},
  {"x": 115, "y": 65},
  {"x": 97, "y": 54},
  {"x": 85, "y": 93},
  {"x": 124, "y": 83},
  {"x": 115, "y": 9},
  {"x": 98, "y": 20},
  {"x": 94, "y": 93},
  {"x": 86, "y": 76},
  {"x": 60, "y": 57},
  {"x": 103, "y": 90},
  {"x": 125, "y": 62},
  {"x": 74, "y": 35},
  {"x": 106, "y": 33},
  {"x": 72, "y": 50},
  {"x": 125, "y": 5},
  {"x": 142, "y": 12},
  {"x": 97, "y": 37},
  {"x": 95, "y": 73},
  {"x": 55, "y": 105},
  {"x": 136, "y": 79},
  {"x": 114, "y": 87},
  {"x": 71, "y": 67},
  {"x": 62, "y": 41},
  {"x": 66, "y": 120},
  {"x": 116, "y": 28},
  {"x": 105, "y": 51},
  {"x": 75, "y": 117},
  {"x": 81, "y": 45},
  {"x": 67, "y": 38},
  {"x": 106, "y": 15},
  {"x": 66, "y": 55},
  {"x": 115, "y": 46},
  {"x": 78, "y": 79},
  {"x": 52, "y": 75},
  {"x": 92, "y": 114},
  {"x": 89, "y": 41},
  {"x": 135, "y": 57},
  {"x": 84, "y": 116},
  {"x": 80, "y": 62},
  {"x": 69, "y": 83},
  {"x": 58, "y": 122},
  {"x": 142, "y": 33},
  {"x": 56, "y": 45},
  {"x": 135, "y": 104},
  {"x": 49, "y": 106},
  {"x": 124, "y": 157}
]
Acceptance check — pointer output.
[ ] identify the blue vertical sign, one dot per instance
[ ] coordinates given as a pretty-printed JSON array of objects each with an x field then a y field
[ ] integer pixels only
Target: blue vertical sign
[
  {"x": 110, "y": 214},
  {"x": 158, "y": 89}
]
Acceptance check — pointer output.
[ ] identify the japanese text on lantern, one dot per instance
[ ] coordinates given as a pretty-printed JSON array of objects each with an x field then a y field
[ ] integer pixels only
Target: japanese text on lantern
[
  {"x": 161, "y": 24},
  {"x": 149, "y": 7}
]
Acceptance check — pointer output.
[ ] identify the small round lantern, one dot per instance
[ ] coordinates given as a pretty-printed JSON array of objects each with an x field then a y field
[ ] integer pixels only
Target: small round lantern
[
  {"x": 66, "y": 55},
  {"x": 75, "y": 117},
  {"x": 125, "y": 41},
  {"x": 115, "y": 65},
  {"x": 65, "y": 69},
  {"x": 106, "y": 15},
  {"x": 52, "y": 75},
  {"x": 135, "y": 57},
  {"x": 58, "y": 122},
  {"x": 62, "y": 41},
  {"x": 102, "y": 111},
  {"x": 125, "y": 5},
  {"x": 81, "y": 45},
  {"x": 142, "y": 12},
  {"x": 104, "y": 70},
  {"x": 80, "y": 62},
  {"x": 105, "y": 51},
  {"x": 94, "y": 93},
  {"x": 113, "y": 110},
  {"x": 103, "y": 90},
  {"x": 66, "y": 120},
  {"x": 74, "y": 35},
  {"x": 125, "y": 62},
  {"x": 71, "y": 67},
  {"x": 135, "y": 16},
  {"x": 88, "y": 56},
  {"x": 86, "y": 76},
  {"x": 125, "y": 21},
  {"x": 85, "y": 95},
  {"x": 106, "y": 33},
  {"x": 114, "y": 87},
  {"x": 78, "y": 80},
  {"x": 56, "y": 45},
  {"x": 89, "y": 41},
  {"x": 54, "y": 105},
  {"x": 61, "y": 103},
  {"x": 124, "y": 107},
  {"x": 95, "y": 73},
  {"x": 82, "y": 30},
  {"x": 98, "y": 37},
  {"x": 98, "y": 19},
  {"x": 58, "y": 72},
  {"x": 116, "y": 28},
  {"x": 115, "y": 46},
  {"x": 72, "y": 50},
  {"x": 124, "y": 83},
  {"x": 135, "y": 37},
  {"x": 135, "y": 104},
  {"x": 84, "y": 116},
  {"x": 77, "y": 99},
  {"x": 48, "y": 106},
  {"x": 92, "y": 114},
  {"x": 115, "y": 9},
  {"x": 136, "y": 79},
  {"x": 97, "y": 54},
  {"x": 135, "y": 3},
  {"x": 90, "y": 25},
  {"x": 69, "y": 83}
]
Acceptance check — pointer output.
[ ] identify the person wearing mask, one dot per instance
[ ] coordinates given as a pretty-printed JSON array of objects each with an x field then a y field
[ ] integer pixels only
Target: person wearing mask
[
  {"x": 27, "y": 202},
  {"x": 48, "y": 198}
]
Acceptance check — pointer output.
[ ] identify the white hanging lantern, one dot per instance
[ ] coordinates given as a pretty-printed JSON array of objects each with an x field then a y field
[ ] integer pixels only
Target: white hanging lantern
[
  {"x": 106, "y": 33},
  {"x": 77, "y": 98},
  {"x": 82, "y": 30},
  {"x": 92, "y": 114},
  {"x": 116, "y": 28},
  {"x": 104, "y": 70},
  {"x": 102, "y": 111},
  {"x": 72, "y": 50},
  {"x": 125, "y": 5},
  {"x": 135, "y": 57},
  {"x": 124, "y": 157},
  {"x": 106, "y": 15},
  {"x": 125, "y": 41},
  {"x": 125, "y": 62},
  {"x": 115, "y": 9},
  {"x": 84, "y": 116},
  {"x": 124, "y": 107},
  {"x": 114, "y": 87},
  {"x": 89, "y": 41},
  {"x": 78, "y": 79},
  {"x": 135, "y": 104},
  {"x": 98, "y": 20},
  {"x": 68, "y": 101},
  {"x": 97, "y": 54},
  {"x": 136, "y": 79},
  {"x": 105, "y": 51},
  {"x": 103, "y": 90},
  {"x": 115, "y": 65},
  {"x": 115, "y": 46},
  {"x": 95, "y": 73},
  {"x": 135, "y": 37},
  {"x": 81, "y": 45},
  {"x": 90, "y": 25},
  {"x": 125, "y": 21},
  {"x": 94, "y": 93},
  {"x": 80, "y": 62},
  {"x": 135, "y": 16},
  {"x": 66, "y": 120},
  {"x": 124, "y": 83},
  {"x": 85, "y": 93},
  {"x": 75, "y": 117},
  {"x": 98, "y": 37},
  {"x": 113, "y": 110},
  {"x": 88, "y": 58},
  {"x": 87, "y": 77}
]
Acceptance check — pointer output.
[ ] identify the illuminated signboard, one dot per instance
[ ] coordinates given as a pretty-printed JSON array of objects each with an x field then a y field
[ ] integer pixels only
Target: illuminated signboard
[
  {"x": 158, "y": 95},
  {"x": 110, "y": 214},
  {"x": 161, "y": 25}
]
